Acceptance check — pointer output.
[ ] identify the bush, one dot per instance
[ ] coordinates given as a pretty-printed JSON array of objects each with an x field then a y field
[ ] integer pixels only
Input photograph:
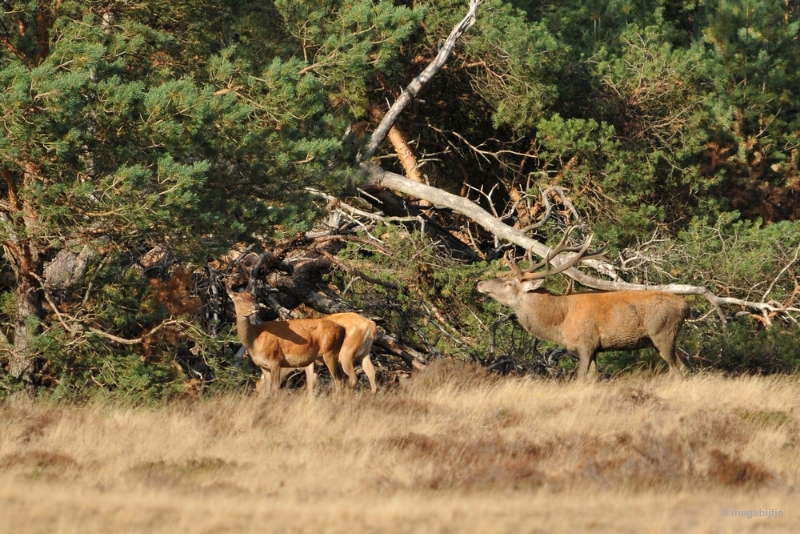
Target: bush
[{"x": 745, "y": 348}]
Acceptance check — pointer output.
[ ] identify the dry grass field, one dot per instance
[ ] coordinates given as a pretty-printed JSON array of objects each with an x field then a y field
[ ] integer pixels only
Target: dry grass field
[{"x": 449, "y": 451}]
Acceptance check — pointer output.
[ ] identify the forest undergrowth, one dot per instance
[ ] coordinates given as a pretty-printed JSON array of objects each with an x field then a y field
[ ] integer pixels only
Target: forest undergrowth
[{"x": 452, "y": 449}]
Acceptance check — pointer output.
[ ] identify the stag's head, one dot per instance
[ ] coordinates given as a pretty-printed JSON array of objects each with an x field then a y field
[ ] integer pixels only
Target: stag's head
[{"x": 510, "y": 289}]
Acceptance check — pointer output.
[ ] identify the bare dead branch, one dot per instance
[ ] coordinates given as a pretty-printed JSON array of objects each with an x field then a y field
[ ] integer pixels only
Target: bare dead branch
[
  {"x": 14, "y": 50},
  {"x": 549, "y": 206},
  {"x": 53, "y": 304},
  {"x": 356, "y": 272},
  {"x": 135, "y": 341},
  {"x": 361, "y": 213},
  {"x": 417, "y": 84},
  {"x": 381, "y": 178},
  {"x": 401, "y": 147},
  {"x": 391, "y": 346},
  {"x": 493, "y": 331},
  {"x": 480, "y": 152},
  {"x": 786, "y": 268}
]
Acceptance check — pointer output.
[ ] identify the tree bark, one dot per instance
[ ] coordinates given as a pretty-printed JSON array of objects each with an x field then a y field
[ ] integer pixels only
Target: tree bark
[
  {"x": 19, "y": 221},
  {"x": 407, "y": 158},
  {"x": 42, "y": 32},
  {"x": 29, "y": 306}
]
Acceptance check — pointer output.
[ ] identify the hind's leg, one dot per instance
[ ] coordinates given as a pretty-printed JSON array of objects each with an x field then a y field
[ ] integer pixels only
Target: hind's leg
[
  {"x": 586, "y": 357},
  {"x": 348, "y": 366},
  {"x": 332, "y": 363},
  {"x": 310, "y": 379},
  {"x": 369, "y": 370},
  {"x": 263, "y": 384}
]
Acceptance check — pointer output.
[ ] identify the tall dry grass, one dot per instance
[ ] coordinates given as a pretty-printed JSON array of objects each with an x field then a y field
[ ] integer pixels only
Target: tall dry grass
[{"x": 453, "y": 450}]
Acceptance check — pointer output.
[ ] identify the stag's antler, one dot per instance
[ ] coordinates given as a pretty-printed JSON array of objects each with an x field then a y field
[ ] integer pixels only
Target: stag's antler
[
  {"x": 581, "y": 254},
  {"x": 508, "y": 258}
]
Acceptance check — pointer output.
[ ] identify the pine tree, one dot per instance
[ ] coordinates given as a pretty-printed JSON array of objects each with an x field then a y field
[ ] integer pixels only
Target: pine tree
[{"x": 124, "y": 130}]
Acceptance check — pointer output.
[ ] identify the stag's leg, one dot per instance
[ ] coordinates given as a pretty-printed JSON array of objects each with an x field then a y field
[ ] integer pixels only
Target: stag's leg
[
  {"x": 369, "y": 370},
  {"x": 666, "y": 348}
]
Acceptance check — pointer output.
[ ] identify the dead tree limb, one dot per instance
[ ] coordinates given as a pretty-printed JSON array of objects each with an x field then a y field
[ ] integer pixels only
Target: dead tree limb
[
  {"x": 394, "y": 209},
  {"x": 136, "y": 341},
  {"x": 416, "y": 85},
  {"x": 401, "y": 147},
  {"x": 390, "y": 345},
  {"x": 380, "y": 178}
]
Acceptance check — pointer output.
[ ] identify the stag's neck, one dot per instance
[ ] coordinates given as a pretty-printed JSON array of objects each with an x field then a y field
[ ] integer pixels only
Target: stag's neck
[{"x": 541, "y": 314}]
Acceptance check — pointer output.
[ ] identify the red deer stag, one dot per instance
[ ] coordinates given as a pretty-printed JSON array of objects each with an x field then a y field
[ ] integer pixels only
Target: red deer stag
[
  {"x": 591, "y": 322},
  {"x": 292, "y": 343}
]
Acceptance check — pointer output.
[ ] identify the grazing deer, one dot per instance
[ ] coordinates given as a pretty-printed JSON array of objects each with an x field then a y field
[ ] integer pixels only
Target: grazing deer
[
  {"x": 591, "y": 322},
  {"x": 292, "y": 343},
  {"x": 357, "y": 344}
]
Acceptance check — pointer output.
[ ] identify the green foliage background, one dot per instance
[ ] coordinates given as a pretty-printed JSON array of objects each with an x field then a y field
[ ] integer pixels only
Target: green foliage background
[{"x": 196, "y": 125}]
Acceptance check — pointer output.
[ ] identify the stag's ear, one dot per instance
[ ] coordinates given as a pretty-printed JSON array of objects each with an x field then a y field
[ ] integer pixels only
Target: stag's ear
[{"x": 531, "y": 285}]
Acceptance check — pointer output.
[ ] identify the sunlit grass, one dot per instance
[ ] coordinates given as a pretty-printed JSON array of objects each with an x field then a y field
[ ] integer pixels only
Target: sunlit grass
[{"x": 453, "y": 450}]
